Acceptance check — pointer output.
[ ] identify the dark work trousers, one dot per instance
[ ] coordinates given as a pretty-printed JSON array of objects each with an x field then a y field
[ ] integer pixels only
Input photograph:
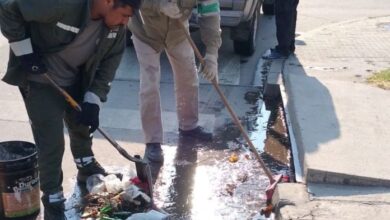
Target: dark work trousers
[
  {"x": 47, "y": 111},
  {"x": 286, "y": 19}
]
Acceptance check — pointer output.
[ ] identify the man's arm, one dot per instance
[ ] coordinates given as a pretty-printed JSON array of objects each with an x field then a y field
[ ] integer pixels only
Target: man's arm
[
  {"x": 15, "y": 14},
  {"x": 210, "y": 32},
  {"x": 210, "y": 25}
]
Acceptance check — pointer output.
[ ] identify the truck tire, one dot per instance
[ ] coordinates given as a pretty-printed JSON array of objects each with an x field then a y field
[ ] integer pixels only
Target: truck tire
[
  {"x": 268, "y": 9},
  {"x": 247, "y": 47}
]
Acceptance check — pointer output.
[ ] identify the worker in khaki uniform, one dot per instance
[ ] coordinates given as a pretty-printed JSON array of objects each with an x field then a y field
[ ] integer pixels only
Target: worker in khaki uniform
[
  {"x": 79, "y": 44},
  {"x": 156, "y": 27}
]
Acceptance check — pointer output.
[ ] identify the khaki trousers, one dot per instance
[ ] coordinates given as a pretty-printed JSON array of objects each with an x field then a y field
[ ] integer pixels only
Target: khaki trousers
[{"x": 186, "y": 81}]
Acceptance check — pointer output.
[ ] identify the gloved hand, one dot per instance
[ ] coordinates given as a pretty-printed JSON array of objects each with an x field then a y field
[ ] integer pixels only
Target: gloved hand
[
  {"x": 89, "y": 116},
  {"x": 170, "y": 8},
  {"x": 210, "y": 68},
  {"x": 32, "y": 64}
]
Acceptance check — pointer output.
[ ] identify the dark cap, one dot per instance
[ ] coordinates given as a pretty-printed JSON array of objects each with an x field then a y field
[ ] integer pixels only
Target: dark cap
[{"x": 135, "y": 4}]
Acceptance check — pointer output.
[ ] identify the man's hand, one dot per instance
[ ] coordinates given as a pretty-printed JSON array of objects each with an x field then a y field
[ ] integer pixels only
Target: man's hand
[
  {"x": 32, "y": 64},
  {"x": 89, "y": 116},
  {"x": 210, "y": 68},
  {"x": 170, "y": 8}
]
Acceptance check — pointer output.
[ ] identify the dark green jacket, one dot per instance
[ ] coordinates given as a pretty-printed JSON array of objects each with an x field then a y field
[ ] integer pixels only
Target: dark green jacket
[{"x": 52, "y": 25}]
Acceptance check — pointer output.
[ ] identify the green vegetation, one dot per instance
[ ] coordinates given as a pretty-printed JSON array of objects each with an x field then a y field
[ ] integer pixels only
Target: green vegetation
[{"x": 381, "y": 79}]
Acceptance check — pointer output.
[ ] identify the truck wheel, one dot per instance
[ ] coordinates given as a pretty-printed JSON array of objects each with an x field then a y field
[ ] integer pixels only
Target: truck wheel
[
  {"x": 247, "y": 47},
  {"x": 268, "y": 9}
]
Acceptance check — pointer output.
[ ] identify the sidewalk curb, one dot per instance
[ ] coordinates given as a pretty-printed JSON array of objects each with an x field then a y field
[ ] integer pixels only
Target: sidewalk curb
[{"x": 273, "y": 88}]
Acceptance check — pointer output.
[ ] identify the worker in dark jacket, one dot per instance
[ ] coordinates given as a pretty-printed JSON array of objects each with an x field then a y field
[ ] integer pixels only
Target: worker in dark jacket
[{"x": 79, "y": 44}]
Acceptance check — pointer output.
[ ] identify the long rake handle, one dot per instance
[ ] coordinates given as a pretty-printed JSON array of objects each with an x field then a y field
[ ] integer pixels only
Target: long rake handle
[
  {"x": 232, "y": 113},
  {"x": 77, "y": 107}
]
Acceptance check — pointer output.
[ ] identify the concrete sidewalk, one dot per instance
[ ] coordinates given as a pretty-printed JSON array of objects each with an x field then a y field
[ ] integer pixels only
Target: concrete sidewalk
[{"x": 340, "y": 123}]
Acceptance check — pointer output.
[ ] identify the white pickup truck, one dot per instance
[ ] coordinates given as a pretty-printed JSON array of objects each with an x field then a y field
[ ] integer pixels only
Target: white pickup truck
[{"x": 241, "y": 16}]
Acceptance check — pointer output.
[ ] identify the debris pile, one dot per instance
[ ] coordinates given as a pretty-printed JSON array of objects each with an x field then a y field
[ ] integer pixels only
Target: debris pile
[{"x": 110, "y": 198}]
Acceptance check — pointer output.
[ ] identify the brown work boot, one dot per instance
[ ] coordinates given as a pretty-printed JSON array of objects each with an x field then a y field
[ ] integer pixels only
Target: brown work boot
[
  {"x": 198, "y": 133},
  {"x": 91, "y": 168}
]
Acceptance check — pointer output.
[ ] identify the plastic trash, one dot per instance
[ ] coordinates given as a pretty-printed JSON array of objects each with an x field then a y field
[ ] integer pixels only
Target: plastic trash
[
  {"x": 135, "y": 195},
  {"x": 151, "y": 215},
  {"x": 285, "y": 176},
  {"x": 126, "y": 180},
  {"x": 95, "y": 184},
  {"x": 113, "y": 184}
]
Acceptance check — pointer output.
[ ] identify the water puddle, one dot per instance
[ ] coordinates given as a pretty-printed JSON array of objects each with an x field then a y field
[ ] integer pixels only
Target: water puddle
[
  {"x": 222, "y": 179},
  {"x": 219, "y": 179}
]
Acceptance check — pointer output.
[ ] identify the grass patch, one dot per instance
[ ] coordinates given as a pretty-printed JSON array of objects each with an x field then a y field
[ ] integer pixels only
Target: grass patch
[{"x": 381, "y": 79}]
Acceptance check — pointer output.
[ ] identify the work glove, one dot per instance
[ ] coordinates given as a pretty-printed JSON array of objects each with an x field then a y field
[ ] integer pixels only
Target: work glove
[
  {"x": 210, "y": 67},
  {"x": 32, "y": 64},
  {"x": 170, "y": 8},
  {"x": 89, "y": 116}
]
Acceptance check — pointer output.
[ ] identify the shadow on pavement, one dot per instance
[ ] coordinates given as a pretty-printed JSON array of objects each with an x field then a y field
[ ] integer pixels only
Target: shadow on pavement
[{"x": 311, "y": 112}]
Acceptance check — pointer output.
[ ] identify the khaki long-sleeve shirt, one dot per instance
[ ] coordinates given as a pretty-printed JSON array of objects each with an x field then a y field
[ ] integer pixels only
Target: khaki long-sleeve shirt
[{"x": 159, "y": 31}]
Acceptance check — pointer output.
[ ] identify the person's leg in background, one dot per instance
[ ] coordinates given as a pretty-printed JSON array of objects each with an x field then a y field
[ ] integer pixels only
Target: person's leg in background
[
  {"x": 285, "y": 17},
  {"x": 182, "y": 60},
  {"x": 150, "y": 107},
  {"x": 294, "y": 14}
]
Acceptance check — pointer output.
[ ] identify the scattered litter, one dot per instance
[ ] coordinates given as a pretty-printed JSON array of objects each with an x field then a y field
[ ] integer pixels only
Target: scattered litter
[
  {"x": 243, "y": 177},
  {"x": 233, "y": 158},
  {"x": 110, "y": 198},
  {"x": 285, "y": 176},
  {"x": 95, "y": 184},
  {"x": 230, "y": 188},
  {"x": 113, "y": 184}
]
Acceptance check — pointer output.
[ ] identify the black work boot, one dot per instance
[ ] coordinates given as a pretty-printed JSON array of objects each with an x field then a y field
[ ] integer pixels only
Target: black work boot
[
  {"x": 90, "y": 167},
  {"x": 198, "y": 133},
  {"x": 54, "y": 207},
  {"x": 154, "y": 153}
]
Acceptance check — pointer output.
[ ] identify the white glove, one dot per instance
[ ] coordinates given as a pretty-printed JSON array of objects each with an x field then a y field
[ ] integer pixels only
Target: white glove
[
  {"x": 170, "y": 8},
  {"x": 210, "y": 68}
]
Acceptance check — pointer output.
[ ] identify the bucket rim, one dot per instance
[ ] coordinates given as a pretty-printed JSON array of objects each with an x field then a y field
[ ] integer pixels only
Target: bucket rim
[{"x": 21, "y": 158}]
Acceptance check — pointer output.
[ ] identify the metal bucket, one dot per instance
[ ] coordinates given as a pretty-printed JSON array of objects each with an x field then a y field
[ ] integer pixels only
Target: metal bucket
[{"x": 19, "y": 180}]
